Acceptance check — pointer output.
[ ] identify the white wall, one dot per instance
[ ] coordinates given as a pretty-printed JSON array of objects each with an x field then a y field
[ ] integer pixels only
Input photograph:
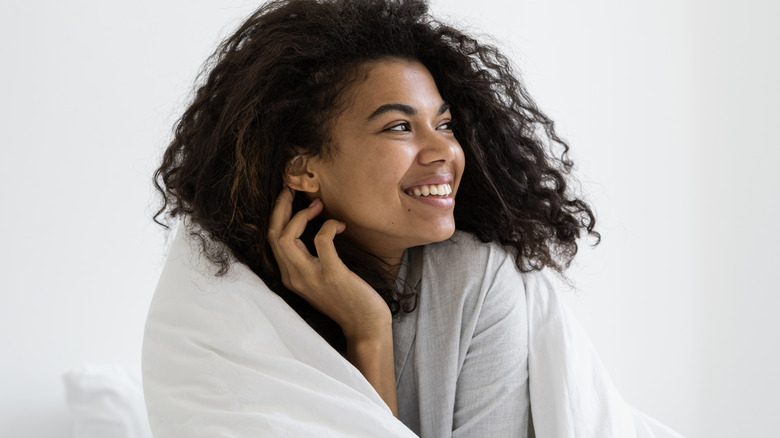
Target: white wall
[
  {"x": 670, "y": 108},
  {"x": 737, "y": 60}
]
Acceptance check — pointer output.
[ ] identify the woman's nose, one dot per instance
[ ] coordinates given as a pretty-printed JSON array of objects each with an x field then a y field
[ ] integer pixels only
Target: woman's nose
[{"x": 438, "y": 146}]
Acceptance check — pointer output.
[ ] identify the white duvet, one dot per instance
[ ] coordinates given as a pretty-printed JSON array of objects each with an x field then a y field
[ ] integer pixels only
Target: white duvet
[{"x": 226, "y": 357}]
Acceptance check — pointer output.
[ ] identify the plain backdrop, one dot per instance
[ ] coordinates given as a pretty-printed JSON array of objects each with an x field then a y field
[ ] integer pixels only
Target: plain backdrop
[{"x": 670, "y": 107}]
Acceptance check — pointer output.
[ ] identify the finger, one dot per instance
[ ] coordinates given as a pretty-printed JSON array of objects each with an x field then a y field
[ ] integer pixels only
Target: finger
[
  {"x": 281, "y": 213},
  {"x": 296, "y": 226},
  {"x": 289, "y": 244},
  {"x": 323, "y": 241}
]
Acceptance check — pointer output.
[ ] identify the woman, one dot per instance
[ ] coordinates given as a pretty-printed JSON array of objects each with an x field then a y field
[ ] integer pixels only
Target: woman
[{"x": 390, "y": 179}]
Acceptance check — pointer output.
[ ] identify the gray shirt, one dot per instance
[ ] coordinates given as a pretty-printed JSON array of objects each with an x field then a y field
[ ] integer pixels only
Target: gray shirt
[{"x": 461, "y": 358}]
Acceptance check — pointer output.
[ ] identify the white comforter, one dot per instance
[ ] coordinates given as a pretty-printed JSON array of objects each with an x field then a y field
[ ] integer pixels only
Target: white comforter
[{"x": 227, "y": 357}]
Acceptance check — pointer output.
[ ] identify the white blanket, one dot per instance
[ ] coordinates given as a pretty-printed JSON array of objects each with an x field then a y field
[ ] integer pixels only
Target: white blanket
[
  {"x": 571, "y": 393},
  {"x": 227, "y": 357}
]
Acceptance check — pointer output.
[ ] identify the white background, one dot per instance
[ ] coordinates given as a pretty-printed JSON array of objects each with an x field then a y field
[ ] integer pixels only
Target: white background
[{"x": 670, "y": 107}]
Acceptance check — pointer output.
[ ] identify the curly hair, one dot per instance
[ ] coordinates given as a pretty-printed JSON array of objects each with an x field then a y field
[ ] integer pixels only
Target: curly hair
[{"x": 270, "y": 91}]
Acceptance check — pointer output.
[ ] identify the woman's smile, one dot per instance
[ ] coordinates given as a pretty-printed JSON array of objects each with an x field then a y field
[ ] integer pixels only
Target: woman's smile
[{"x": 436, "y": 191}]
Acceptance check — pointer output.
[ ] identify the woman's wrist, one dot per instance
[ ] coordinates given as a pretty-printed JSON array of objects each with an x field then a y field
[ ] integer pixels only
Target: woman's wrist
[{"x": 368, "y": 329}]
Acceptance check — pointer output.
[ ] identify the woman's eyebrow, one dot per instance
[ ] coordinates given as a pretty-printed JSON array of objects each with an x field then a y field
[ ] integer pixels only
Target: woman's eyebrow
[{"x": 406, "y": 109}]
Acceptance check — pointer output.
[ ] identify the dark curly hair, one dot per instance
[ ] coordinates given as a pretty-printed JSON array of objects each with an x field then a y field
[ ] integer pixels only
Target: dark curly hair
[{"x": 292, "y": 61}]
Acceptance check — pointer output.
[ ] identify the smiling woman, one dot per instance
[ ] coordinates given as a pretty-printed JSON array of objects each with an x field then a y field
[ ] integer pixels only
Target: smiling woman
[
  {"x": 387, "y": 177},
  {"x": 395, "y": 137}
]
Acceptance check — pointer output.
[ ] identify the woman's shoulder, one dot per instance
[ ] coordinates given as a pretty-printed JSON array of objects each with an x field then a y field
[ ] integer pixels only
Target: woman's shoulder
[
  {"x": 464, "y": 257},
  {"x": 465, "y": 263}
]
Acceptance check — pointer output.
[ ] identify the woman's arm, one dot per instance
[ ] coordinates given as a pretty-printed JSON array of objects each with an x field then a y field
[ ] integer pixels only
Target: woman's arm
[
  {"x": 373, "y": 356},
  {"x": 492, "y": 392},
  {"x": 475, "y": 334},
  {"x": 328, "y": 285}
]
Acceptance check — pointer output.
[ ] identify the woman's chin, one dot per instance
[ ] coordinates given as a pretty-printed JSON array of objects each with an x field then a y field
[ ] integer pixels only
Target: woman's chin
[{"x": 440, "y": 234}]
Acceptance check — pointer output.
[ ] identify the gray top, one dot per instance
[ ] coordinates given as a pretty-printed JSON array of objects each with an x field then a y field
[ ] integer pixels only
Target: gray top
[{"x": 461, "y": 358}]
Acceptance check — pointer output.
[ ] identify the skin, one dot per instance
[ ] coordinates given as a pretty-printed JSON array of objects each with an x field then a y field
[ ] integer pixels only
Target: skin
[{"x": 394, "y": 135}]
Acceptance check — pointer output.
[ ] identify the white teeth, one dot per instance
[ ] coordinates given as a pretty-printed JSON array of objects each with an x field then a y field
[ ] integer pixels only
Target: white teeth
[{"x": 432, "y": 189}]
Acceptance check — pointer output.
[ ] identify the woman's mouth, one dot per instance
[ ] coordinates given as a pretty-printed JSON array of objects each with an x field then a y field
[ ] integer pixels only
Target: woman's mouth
[{"x": 441, "y": 190}]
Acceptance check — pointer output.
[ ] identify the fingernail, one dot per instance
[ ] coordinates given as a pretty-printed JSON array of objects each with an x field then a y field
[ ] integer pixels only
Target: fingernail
[{"x": 314, "y": 202}]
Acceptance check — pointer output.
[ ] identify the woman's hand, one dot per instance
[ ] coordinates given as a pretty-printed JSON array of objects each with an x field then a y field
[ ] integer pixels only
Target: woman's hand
[
  {"x": 328, "y": 285},
  {"x": 324, "y": 281}
]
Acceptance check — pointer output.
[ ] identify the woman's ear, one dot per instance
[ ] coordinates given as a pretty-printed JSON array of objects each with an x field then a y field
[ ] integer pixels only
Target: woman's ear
[{"x": 298, "y": 174}]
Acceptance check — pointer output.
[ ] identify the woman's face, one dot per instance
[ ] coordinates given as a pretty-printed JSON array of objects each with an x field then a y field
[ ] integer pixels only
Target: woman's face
[{"x": 391, "y": 149}]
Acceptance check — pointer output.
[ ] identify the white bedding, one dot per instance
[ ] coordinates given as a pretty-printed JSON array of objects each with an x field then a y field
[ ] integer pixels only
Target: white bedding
[
  {"x": 106, "y": 401},
  {"x": 227, "y": 357}
]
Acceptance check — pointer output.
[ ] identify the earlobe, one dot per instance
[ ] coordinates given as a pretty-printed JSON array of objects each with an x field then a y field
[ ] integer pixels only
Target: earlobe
[{"x": 298, "y": 175}]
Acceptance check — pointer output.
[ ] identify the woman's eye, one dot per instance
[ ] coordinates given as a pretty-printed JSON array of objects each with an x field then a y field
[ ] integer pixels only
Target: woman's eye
[
  {"x": 400, "y": 127},
  {"x": 446, "y": 126}
]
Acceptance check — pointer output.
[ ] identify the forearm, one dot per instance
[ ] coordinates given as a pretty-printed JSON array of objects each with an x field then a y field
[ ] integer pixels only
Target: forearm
[{"x": 373, "y": 357}]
